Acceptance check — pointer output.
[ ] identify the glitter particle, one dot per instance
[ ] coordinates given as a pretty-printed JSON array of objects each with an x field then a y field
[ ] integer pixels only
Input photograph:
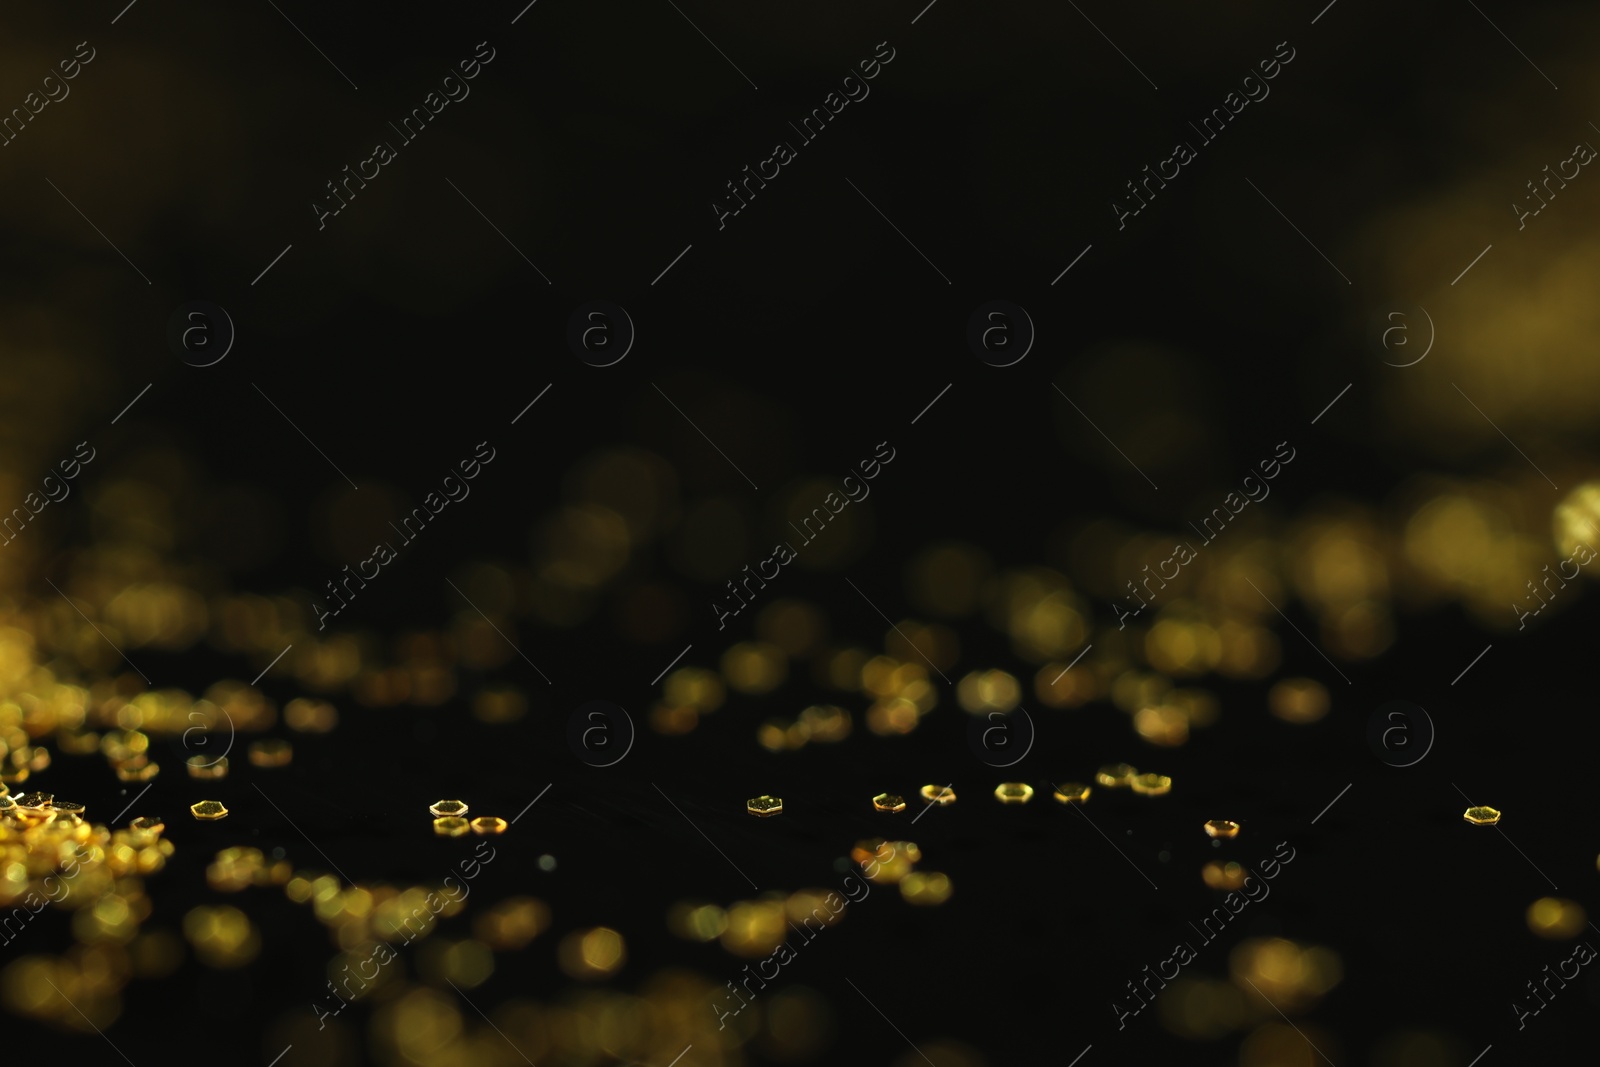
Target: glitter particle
[
  {"x": 764, "y": 806},
  {"x": 889, "y": 802},
  {"x": 208, "y": 810},
  {"x": 450, "y": 826},
  {"x": 1481, "y": 816},
  {"x": 941, "y": 795},
  {"x": 1222, "y": 828},
  {"x": 488, "y": 824},
  {"x": 1152, "y": 785},
  {"x": 1072, "y": 792},
  {"x": 447, "y": 808},
  {"x": 271, "y": 752},
  {"x": 1013, "y": 792},
  {"x": 1116, "y": 775},
  {"x": 201, "y": 767}
]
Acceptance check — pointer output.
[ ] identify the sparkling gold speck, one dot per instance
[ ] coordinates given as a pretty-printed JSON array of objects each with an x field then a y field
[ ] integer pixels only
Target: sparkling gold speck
[
  {"x": 1222, "y": 828},
  {"x": 1072, "y": 792},
  {"x": 271, "y": 752},
  {"x": 444, "y": 808},
  {"x": 889, "y": 802},
  {"x": 450, "y": 826},
  {"x": 1152, "y": 785},
  {"x": 1013, "y": 792},
  {"x": 1116, "y": 775},
  {"x": 148, "y": 824},
  {"x": 208, "y": 810},
  {"x": 941, "y": 795},
  {"x": 1481, "y": 816},
  {"x": 206, "y": 767},
  {"x": 34, "y": 801},
  {"x": 764, "y": 806},
  {"x": 129, "y": 772},
  {"x": 488, "y": 824}
]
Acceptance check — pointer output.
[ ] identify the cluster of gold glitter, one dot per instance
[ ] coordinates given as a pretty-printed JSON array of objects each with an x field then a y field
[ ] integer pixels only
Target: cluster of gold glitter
[
  {"x": 894, "y": 863},
  {"x": 53, "y": 857},
  {"x": 1269, "y": 979}
]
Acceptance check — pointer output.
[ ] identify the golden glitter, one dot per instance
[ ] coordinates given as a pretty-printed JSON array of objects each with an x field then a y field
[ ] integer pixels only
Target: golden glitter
[
  {"x": 1013, "y": 792},
  {"x": 1222, "y": 828},
  {"x": 889, "y": 802},
  {"x": 148, "y": 824},
  {"x": 925, "y": 888},
  {"x": 450, "y": 826},
  {"x": 764, "y": 806},
  {"x": 941, "y": 795},
  {"x": 205, "y": 767},
  {"x": 34, "y": 801},
  {"x": 1116, "y": 775},
  {"x": 596, "y": 953},
  {"x": 1479, "y": 816},
  {"x": 271, "y": 752},
  {"x": 443, "y": 808},
  {"x": 208, "y": 810},
  {"x": 488, "y": 824},
  {"x": 1556, "y": 918},
  {"x": 1228, "y": 876},
  {"x": 1152, "y": 785},
  {"x": 129, "y": 772},
  {"x": 1072, "y": 792}
]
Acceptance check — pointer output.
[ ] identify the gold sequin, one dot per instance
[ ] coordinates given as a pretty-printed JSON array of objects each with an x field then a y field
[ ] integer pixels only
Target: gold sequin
[
  {"x": 764, "y": 806},
  {"x": 1013, "y": 792},
  {"x": 208, "y": 810}
]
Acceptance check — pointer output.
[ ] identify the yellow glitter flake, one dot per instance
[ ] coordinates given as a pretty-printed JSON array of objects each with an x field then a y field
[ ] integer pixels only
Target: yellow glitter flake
[
  {"x": 1152, "y": 785},
  {"x": 1072, "y": 792},
  {"x": 1225, "y": 828},
  {"x": 208, "y": 810},
  {"x": 271, "y": 752},
  {"x": 888, "y": 802},
  {"x": 1481, "y": 816},
  {"x": 448, "y": 808},
  {"x": 1116, "y": 775},
  {"x": 763, "y": 806},
  {"x": 941, "y": 795},
  {"x": 450, "y": 826},
  {"x": 1013, "y": 792},
  {"x": 488, "y": 824},
  {"x": 207, "y": 766}
]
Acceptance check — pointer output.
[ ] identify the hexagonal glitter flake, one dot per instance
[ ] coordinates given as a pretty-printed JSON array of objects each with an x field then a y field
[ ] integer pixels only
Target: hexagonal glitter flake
[
  {"x": 764, "y": 806},
  {"x": 208, "y": 810}
]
